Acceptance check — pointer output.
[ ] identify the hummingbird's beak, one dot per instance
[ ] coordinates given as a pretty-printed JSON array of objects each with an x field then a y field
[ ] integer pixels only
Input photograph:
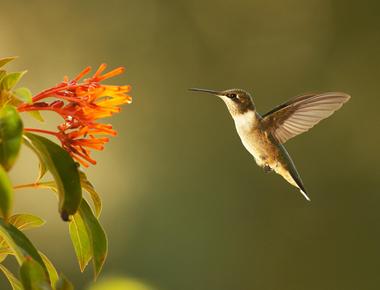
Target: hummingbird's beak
[{"x": 217, "y": 93}]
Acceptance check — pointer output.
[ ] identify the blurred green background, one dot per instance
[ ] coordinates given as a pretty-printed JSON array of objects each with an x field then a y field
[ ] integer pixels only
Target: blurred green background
[{"x": 185, "y": 206}]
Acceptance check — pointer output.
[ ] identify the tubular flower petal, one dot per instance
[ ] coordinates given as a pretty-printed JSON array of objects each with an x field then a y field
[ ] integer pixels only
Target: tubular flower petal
[{"x": 81, "y": 104}]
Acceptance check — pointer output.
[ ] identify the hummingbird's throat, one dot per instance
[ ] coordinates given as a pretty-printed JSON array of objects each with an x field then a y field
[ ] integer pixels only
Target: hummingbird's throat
[
  {"x": 238, "y": 107},
  {"x": 245, "y": 122}
]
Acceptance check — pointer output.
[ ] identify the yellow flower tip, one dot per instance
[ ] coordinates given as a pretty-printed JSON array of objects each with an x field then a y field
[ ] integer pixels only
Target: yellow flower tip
[
  {"x": 125, "y": 89},
  {"x": 128, "y": 99}
]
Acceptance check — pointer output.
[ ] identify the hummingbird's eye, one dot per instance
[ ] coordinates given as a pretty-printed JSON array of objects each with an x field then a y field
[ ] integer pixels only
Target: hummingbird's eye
[{"x": 232, "y": 96}]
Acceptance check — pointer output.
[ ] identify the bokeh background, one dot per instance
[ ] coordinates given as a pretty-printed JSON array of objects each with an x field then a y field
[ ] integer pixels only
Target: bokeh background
[{"x": 185, "y": 206}]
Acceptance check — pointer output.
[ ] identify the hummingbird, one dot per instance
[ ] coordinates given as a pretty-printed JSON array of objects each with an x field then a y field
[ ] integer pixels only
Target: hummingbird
[{"x": 264, "y": 135}]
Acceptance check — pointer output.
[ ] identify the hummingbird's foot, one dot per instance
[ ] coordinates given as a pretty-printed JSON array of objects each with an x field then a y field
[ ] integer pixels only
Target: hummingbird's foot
[{"x": 267, "y": 168}]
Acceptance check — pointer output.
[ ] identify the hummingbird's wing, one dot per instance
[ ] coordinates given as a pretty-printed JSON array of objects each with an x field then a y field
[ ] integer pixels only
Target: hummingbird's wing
[{"x": 301, "y": 113}]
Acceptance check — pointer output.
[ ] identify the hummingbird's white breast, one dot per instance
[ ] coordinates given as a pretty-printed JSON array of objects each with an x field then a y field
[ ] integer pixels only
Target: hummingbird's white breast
[{"x": 252, "y": 137}]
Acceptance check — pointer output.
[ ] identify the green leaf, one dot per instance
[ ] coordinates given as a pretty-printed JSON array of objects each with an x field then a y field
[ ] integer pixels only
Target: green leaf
[
  {"x": 2, "y": 74},
  {"x": 26, "y": 221},
  {"x": 64, "y": 170},
  {"x": 21, "y": 222},
  {"x": 10, "y": 136},
  {"x": 121, "y": 284},
  {"x": 24, "y": 95},
  {"x": 33, "y": 276},
  {"x": 19, "y": 244},
  {"x": 6, "y": 194},
  {"x": 97, "y": 236},
  {"x": 11, "y": 79},
  {"x": 88, "y": 187},
  {"x": 36, "y": 115},
  {"x": 15, "y": 283},
  {"x": 81, "y": 240},
  {"x": 5, "y": 60},
  {"x": 42, "y": 169},
  {"x": 63, "y": 284},
  {"x": 53, "y": 275},
  {"x": 89, "y": 239},
  {"x": 4, "y": 252}
]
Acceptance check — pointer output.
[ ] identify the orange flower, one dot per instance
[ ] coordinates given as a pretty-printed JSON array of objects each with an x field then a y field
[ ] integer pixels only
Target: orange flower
[{"x": 80, "y": 104}]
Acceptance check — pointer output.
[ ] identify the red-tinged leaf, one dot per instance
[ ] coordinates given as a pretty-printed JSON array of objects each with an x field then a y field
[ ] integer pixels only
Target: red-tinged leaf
[
  {"x": 6, "y": 194},
  {"x": 10, "y": 136},
  {"x": 33, "y": 276},
  {"x": 15, "y": 283},
  {"x": 64, "y": 170}
]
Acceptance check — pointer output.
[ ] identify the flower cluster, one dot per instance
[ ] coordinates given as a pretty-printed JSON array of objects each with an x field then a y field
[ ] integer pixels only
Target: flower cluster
[{"x": 81, "y": 103}]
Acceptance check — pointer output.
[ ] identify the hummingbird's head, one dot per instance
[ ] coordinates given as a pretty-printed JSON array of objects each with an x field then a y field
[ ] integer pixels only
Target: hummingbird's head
[{"x": 238, "y": 101}]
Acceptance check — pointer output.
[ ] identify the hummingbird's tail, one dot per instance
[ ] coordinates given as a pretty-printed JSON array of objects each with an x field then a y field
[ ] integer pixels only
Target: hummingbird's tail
[
  {"x": 305, "y": 195},
  {"x": 293, "y": 178},
  {"x": 287, "y": 170},
  {"x": 297, "y": 182}
]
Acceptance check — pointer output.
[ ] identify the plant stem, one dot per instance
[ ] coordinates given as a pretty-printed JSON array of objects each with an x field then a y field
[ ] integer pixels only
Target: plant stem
[
  {"x": 28, "y": 185},
  {"x": 40, "y": 131}
]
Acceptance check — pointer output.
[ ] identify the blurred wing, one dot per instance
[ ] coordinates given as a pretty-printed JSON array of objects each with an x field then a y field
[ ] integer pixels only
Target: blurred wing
[{"x": 302, "y": 113}]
